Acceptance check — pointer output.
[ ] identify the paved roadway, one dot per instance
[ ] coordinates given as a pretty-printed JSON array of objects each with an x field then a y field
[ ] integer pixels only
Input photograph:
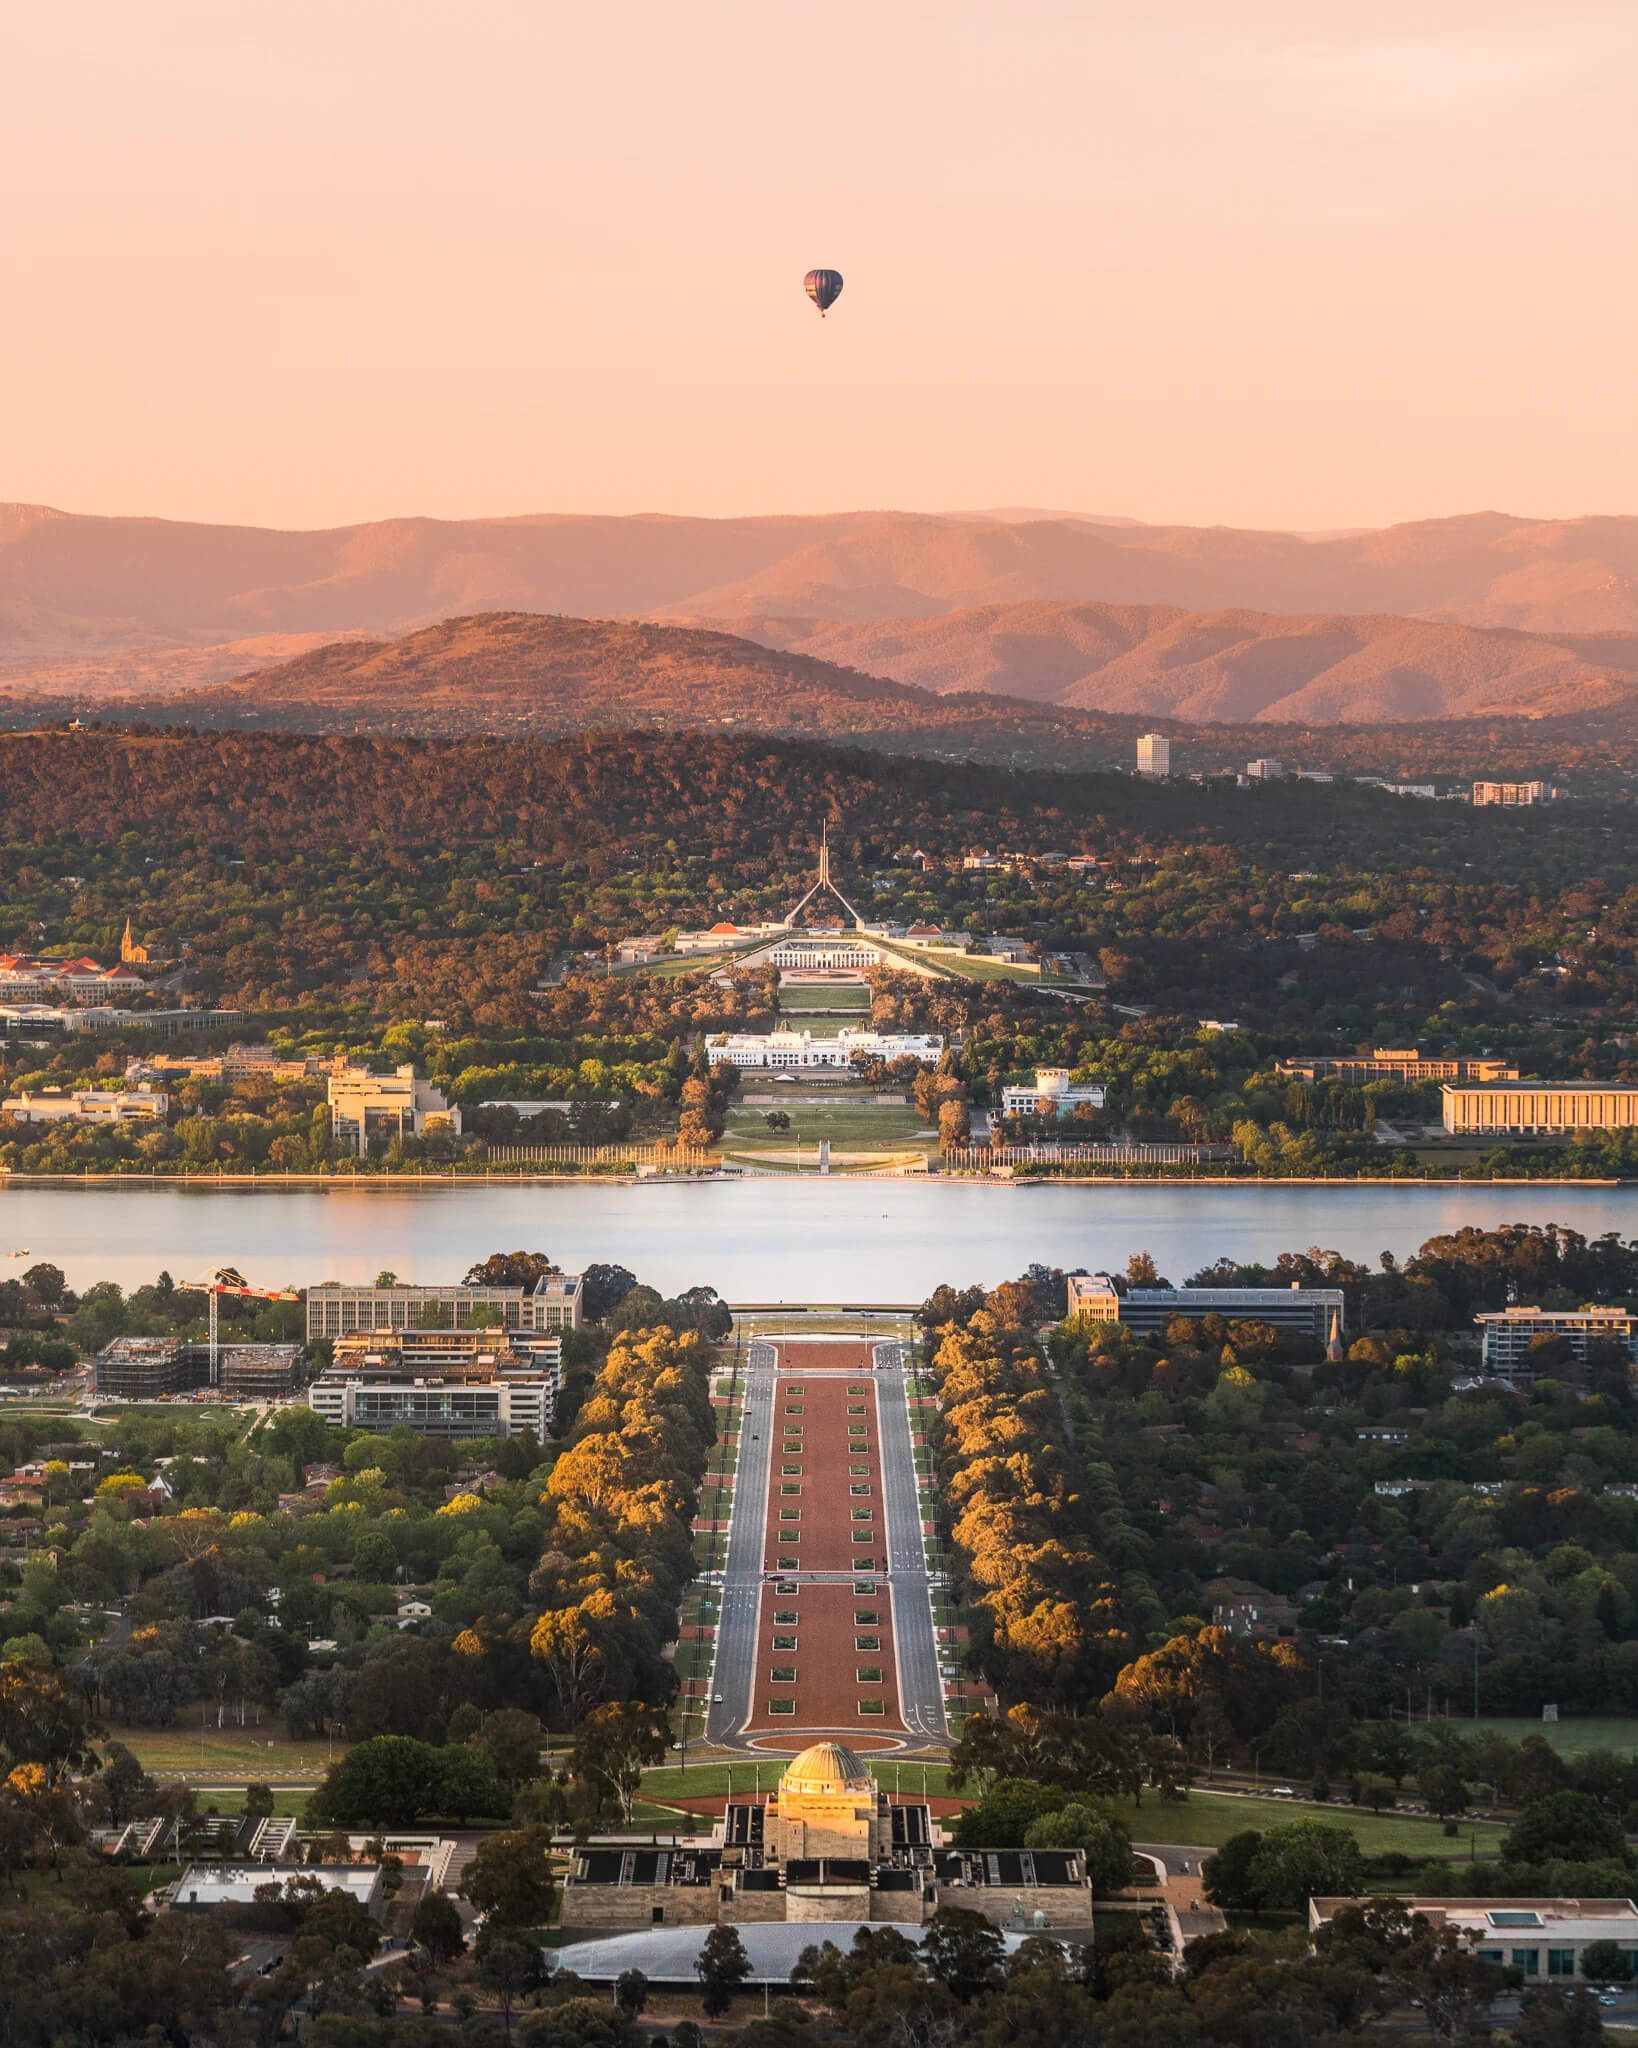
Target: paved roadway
[
  {"x": 734, "y": 1672},
  {"x": 921, "y": 1693}
]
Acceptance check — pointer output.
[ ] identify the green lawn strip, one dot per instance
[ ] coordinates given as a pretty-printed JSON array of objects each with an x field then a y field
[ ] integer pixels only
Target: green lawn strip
[
  {"x": 44, "y": 1887},
  {"x": 693, "y": 1659},
  {"x": 1205, "y": 1820},
  {"x": 672, "y": 965},
  {"x": 969, "y": 966}
]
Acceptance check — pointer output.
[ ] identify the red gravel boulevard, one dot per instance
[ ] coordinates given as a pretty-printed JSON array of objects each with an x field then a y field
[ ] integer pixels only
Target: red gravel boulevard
[{"x": 824, "y": 1656}]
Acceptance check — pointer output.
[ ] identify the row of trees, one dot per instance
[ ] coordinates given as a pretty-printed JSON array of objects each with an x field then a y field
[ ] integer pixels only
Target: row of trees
[{"x": 1044, "y": 1603}]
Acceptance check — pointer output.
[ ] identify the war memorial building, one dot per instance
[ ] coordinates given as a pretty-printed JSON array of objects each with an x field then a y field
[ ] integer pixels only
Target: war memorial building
[{"x": 827, "y": 1845}]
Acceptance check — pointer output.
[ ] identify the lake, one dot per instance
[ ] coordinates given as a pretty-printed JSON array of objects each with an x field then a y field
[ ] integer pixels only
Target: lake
[{"x": 757, "y": 1240}]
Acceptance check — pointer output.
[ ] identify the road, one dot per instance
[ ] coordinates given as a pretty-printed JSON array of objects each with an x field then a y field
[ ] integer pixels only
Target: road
[
  {"x": 921, "y": 1692},
  {"x": 734, "y": 1671}
]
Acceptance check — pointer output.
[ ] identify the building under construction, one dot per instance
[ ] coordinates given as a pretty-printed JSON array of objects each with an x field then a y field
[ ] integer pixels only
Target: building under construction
[{"x": 155, "y": 1368}]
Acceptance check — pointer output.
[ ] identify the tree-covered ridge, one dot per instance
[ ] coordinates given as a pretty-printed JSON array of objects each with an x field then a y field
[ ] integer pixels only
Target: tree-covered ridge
[
  {"x": 455, "y": 905},
  {"x": 355, "y": 882},
  {"x": 1398, "y": 1522}
]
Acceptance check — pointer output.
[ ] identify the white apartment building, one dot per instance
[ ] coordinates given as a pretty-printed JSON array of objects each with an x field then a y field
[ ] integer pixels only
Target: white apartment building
[
  {"x": 1052, "y": 1095},
  {"x": 1511, "y": 794},
  {"x": 444, "y": 1383},
  {"x": 88, "y": 1106},
  {"x": 801, "y": 1051},
  {"x": 1510, "y": 1335},
  {"x": 365, "y": 1105},
  {"x": 1154, "y": 754}
]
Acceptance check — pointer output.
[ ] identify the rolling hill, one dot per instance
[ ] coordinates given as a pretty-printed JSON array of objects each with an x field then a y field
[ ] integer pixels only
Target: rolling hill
[
  {"x": 500, "y": 668},
  {"x": 511, "y": 672}
]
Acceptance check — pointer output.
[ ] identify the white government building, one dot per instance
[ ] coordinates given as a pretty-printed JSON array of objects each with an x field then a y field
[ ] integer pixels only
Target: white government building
[
  {"x": 1052, "y": 1094},
  {"x": 801, "y": 1050}
]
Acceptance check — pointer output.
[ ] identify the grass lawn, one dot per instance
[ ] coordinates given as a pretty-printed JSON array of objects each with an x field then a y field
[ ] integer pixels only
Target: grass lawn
[
  {"x": 1570, "y": 1738},
  {"x": 286, "y": 1799},
  {"x": 969, "y": 966},
  {"x": 1207, "y": 1819},
  {"x": 850, "y": 1127},
  {"x": 711, "y": 1780},
  {"x": 824, "y": 995},
  {"x": 672, "y": 965},
  {"x": 241, "y": 1754}
]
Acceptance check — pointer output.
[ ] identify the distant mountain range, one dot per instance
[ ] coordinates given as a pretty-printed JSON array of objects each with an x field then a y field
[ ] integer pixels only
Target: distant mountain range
[
  {"x": 1234, "y": 666},
  {"x": 1437, "y": 619}
]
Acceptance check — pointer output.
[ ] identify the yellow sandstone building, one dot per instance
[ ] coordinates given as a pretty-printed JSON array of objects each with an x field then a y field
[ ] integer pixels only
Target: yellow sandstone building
[{"x": 1539, "y": 1108}]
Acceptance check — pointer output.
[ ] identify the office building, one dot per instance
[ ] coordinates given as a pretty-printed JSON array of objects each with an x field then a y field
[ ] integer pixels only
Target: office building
[
  {"x": 1265, "y": 769},
  {"x": 396, "y": 1105},
  {"x": 1511, "y": 1335},
  {"x": 443, "y": 1383},
  {"x": 1388, "y": 1063},
  {"x": 1319, "y": 1312},
  {"x": 1510, "y": 794},
  {"x": 1154, "y": 754},
  {"x": 801, "y": 1051},
  {"x": 1524, "y": 1109},
  {"x": 210, "y": 1887},
  {"x": 335, "y": 1308},
  {"x": 1051, "y": 1095},
  {"x": 1544, "y": 1939},
  {"x": 147, "y": 1368},
  {"x": 142, "y": 1105}
]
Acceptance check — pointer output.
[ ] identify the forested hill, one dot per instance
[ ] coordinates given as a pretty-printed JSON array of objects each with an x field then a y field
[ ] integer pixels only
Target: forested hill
[
  {"x": 511, "y": 667},
  {"x": 749, "y": 805},
  {"x": 513, "y": 673}
]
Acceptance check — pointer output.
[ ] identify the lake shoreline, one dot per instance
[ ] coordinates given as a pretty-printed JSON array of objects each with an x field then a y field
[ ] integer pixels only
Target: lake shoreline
[{"x": 307, "y": 1183}]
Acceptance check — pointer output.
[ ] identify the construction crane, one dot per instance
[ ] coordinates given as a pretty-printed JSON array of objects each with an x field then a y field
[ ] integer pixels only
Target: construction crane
[{"x": 228, "y": 1280}]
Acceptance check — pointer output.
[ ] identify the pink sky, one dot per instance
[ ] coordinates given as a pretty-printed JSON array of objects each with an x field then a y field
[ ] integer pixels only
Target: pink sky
[{"x": 301, "y": 262}]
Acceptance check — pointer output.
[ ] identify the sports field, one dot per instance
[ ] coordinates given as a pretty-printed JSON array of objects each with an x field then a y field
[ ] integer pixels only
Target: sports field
[
  {"x": 229, "y": 1754},
  {"x": 1574, "y": 1737}
]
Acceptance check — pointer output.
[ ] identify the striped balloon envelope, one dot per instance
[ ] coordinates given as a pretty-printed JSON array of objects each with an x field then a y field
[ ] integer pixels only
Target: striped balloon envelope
[{"x": 824, "y": 287}]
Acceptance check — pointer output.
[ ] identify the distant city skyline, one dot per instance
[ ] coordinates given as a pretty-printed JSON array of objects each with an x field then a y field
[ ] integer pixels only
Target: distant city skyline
[{"x": 1261, "y": 266}]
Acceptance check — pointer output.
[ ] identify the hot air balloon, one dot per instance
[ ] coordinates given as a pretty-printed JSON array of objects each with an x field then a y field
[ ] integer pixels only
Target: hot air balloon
[{"x": 824, "y": 287}]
